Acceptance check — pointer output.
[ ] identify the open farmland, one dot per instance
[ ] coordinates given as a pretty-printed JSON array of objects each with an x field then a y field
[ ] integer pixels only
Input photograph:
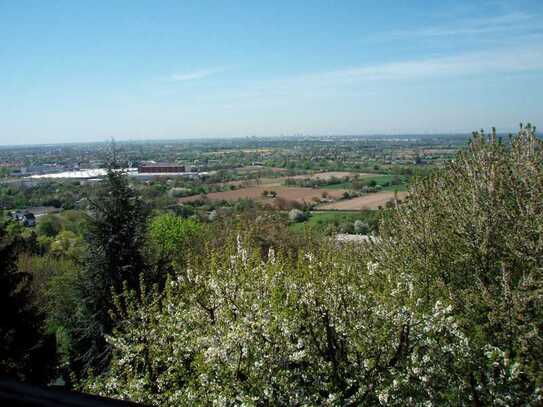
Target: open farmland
[
  {"x": 270, "y": 183},
  {"x": 326, "y": 176},
  {"x": 288, "y": 193},
  {"x": 277, "y": 181},
  {"x": 370, "y": 201},
  {"x": 256, "y": 168}
]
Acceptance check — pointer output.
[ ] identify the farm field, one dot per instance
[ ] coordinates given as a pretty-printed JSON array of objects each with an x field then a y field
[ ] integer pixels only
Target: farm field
[
  {"x": 256, "y": 182},
  {"x": 393, "y": 188},
  {"x": 299, "y": 194},
  {"x": 329, "y": 175},
  {"x": 379, "y": 179},
  {"x": 370, "y": 201},
  {"x": 324, "y": 176},
  {"x": 253, "y": 168},
  {"x": 342, "y": 185}
]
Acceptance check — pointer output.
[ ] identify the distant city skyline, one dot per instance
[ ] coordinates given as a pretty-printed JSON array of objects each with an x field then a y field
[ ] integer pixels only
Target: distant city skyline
[{"x": 82, "y": 72}]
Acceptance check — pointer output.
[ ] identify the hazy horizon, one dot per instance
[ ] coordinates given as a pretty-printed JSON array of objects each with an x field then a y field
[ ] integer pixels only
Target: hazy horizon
[
  {"x": 272, "y": 137},
  {"x": 74, "y": 72}
]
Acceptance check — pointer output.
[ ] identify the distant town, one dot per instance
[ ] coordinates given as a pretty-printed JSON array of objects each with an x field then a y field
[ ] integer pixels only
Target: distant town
[{"x": 311, "y": 174}]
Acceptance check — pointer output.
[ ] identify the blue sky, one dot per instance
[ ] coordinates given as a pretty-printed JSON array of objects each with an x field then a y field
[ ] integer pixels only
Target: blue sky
[{"x": 89, "y": 71}]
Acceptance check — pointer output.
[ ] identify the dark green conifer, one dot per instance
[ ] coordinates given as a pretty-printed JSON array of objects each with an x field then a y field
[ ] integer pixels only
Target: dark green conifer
[{"x": 116, "y": 236}]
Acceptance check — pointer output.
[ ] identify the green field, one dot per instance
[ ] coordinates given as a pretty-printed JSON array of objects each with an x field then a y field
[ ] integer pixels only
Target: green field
[
  {"x": 325, "y": 222},
  {"x": 379, "y": 179},
  {"x": 342, "y": 185},
  {"x": 398, "y": 188}
]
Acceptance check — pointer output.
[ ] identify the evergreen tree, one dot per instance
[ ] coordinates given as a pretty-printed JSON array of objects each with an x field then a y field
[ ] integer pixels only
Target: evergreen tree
[
  {"x": 26, "y": 353},
  {"x": 116, "y": 236}
]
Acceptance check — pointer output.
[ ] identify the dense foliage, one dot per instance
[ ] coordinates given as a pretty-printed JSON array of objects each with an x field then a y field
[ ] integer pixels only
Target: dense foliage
[
  {"x": 243, "y": 306},
  {"x": 26, "y": 352},
  {"x": 171, "y": 241},
  {"x": 470, "y": 237},
  {"x": 445, "y": 308}
]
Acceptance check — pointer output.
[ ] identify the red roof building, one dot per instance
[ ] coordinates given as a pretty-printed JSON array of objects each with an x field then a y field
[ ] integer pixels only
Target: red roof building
[{"x": 160, "y": 168}]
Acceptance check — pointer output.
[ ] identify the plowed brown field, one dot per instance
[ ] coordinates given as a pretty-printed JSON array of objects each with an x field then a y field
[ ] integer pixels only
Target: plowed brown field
[
  {"x": 287, "y": 193},
  {"x": 370, "y": 201}
]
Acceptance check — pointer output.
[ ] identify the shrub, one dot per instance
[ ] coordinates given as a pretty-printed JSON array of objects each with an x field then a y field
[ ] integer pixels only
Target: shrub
[
  {"x": 49, "y": 225},
  {"x": 171, "y": 237},
  {"x": 296, "y": 215},
  {"x": 361, "y": 228}
]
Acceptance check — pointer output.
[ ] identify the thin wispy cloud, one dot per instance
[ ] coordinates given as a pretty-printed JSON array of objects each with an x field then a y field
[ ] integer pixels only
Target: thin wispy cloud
[
  {"x": 514, "y": 23},
  {"x": 510, "y": 60},
  {"x": 506, "y": 60},
  {"x": 483, "y": 25},
  {"x": 195, "y": 75}
]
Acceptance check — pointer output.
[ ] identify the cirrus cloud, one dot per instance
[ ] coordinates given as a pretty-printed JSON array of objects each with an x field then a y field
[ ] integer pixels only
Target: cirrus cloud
[{"x": 194, "y": 75}]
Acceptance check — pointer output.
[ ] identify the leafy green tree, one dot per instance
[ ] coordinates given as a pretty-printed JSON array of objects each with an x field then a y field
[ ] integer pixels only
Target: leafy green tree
[
  {"x": 68, "y": 244},
  {"x": 171, "y": 239},
  {"x": 26, "y": 352},
  {"x": 49, "y": 225},
  {"x": 5, "y": 172},
  {"x": 470, "y": 236},
  {"x": 74, "y": 221}
]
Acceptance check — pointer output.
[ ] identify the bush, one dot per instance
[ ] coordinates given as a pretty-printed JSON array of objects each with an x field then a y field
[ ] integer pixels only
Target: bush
[
  {"x": 361, "y": 228},
  {"x": 179, "y": 192},
  {"x": 346, "y": 227},
  {"x": 296, "y": 215},
  {"x": 49, "y": 225}
]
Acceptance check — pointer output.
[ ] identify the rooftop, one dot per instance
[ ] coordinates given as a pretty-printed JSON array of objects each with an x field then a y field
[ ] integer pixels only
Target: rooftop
[{"x": 162, "y": 165}]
